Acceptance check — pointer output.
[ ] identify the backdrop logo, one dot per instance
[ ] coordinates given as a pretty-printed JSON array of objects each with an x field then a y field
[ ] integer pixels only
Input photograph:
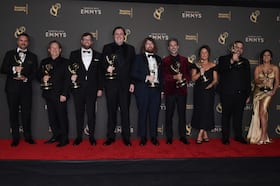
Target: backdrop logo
[
  {"x": 278, "y": 18},
  {"x": 277, "y": 129},
  {"x": 162, "y": 106},
  {"x": 128, "y": 12},
  {"x": 254, "y": 39},
  {"x": 160, "y": 129},
  {"x": 219, "y": 108},
  {"x": 192, "y": 58},
  {"x": 159, "y": 36},
  {"x": 55, "y": 33},
  {"x": 19, "y": 31},
  {"x": 91, "y": 11},
  {"x": 223, "y": 37},
  {"x": 128, "y": 32},
  {"x": 254, "y": 16},
  {"x": 95, "y": 34},
  {"x": 20, "y": 129},
  {"x": 158, "y": 12},
  {"x": 192, "y": 15},
  {"x": 188, "y": 129},
  {"x": 118, "y": 129},
  {"x": 54, "y": 9},
  {"x": 225, "y": 15},
  {"x": 277, "y": 107},
  {"x": 189, "y": 107},
  {"x": 21, "y": 9},
  {"x": 192, "y": 37},
  {"x": 217, "y": 129},
  {"x": 248, "y": 107},
  {"x": 253, "y": 62}
]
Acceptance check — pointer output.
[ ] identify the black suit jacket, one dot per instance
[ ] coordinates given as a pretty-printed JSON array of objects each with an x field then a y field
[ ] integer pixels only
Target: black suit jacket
[
  {"x": 140, "y": 70},
  {"x": 123, "y": 64},
  {"x": 30, "y": 66},
  {"x": 59, "y": 77},
  {"x": 93, "y": 78},
  {"x": 234, "y": 77}
]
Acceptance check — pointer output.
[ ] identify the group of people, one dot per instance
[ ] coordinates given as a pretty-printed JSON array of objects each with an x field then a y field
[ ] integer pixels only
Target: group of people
[{"x": 118, "y": 72}]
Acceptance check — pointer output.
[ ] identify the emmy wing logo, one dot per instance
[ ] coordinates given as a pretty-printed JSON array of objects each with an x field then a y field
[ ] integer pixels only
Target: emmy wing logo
[
  {"x": 19, "y": 31},
  {"x": 219, "y": 108},
  {"x": 158, "y": 12},
  {"x": 254, "y": 16},
  {"x": 277, "y": 130},
  {"x": 95, "y": 34},
  {"x": 128, "y": 12},
  {"x": 192, "y": 58},
  {"x": 54, "y": 9},
  {"x": 222, "y": 38},
  {"x": 21, "y": 9},
  {"x": 193, "y": 37},
  {"x": 188, "y": 129},
  {"x": 225, "y": 15},
  {"x": 128, "y": 32}
]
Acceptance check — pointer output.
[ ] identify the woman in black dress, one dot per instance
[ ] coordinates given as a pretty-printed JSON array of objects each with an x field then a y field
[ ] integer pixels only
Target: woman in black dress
[{"x": 205, "y": 77}]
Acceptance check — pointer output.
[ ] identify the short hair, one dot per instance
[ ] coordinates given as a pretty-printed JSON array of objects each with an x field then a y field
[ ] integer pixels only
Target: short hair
[
  {"x": 262, "y": 54},
  {"x": 204, "y": 47},
  {"x": 24, "y": 34},
  {"x": 55, "y": 41},
  {"x": 238, "y": 41},
  {"x": 172, "y": 39},
  {"x": 144, "y": 42},
  {"x": 119, "y": 27},
  {"x": 87, "y": 34}
]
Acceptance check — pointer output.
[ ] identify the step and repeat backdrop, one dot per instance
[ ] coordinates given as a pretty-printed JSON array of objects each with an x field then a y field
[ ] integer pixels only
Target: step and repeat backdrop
[{"x": 194, "y": 26}]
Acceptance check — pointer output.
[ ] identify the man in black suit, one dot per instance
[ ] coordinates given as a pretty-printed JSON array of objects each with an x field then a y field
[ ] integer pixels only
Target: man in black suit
[
  {"x": 146, "y": 74},
  {"x": 20, "y": 65},
  {"x": 55, "y": 79},
  {"x": 89, "y": 77},
  {"x": 118, "y": 84},
  {"x": 234, "y": 88}
]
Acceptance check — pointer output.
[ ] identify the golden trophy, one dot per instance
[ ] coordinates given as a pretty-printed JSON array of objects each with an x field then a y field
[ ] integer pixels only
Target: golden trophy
[
  {"x": 73, "y": 70},
  {"x": 175, "y": 67},
  {"x": 46, "y": 85},
  {"x": 266, "y": 81},
  {"x": 152, "y": 70},
  {"x": 111, "y": 62},
  {"x": 19, "y": 64},
  {"x": 199, "y": 66}
]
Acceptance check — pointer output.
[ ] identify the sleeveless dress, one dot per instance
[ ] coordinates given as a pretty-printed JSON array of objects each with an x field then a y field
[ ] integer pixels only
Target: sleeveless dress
[
  {"x": 260, "y": 93},
  {"x": 203, "y": 102}
]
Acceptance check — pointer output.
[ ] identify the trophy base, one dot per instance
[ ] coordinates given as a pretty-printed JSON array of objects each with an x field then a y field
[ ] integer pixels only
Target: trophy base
[
  {"x": 265, "y": 89},
  {"x": 19, "y": 78},
  {"x": 153, "y": 85},
  {"x": 111, "y": 76},
  {"x": 46, "y": 86},
  {"x": 75, "y": 86},
  {"x": 180, "y": 84}
]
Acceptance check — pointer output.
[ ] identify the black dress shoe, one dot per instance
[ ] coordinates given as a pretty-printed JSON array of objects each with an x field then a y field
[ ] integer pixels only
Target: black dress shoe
[
  {"x": 108, "y": 142},
  {"x": 50, "y": 141},
  {"x": 30, "y": 141},
  {"x": 127, "y": 142},
  {"x": 92, "y": 141},
  {"x": 15, "y": 143},
  {"x": 169, "y": 141},
  {"x": 225, "y": 141},
  {"x": 241, "y": 140},
  {"x": 143, "y": 141},
  {"x": 184, "y": 141},
  {"x": 62, "y": 143},
  {"x": 155, "y": 141},
  {"x": 77, "y": 141}
]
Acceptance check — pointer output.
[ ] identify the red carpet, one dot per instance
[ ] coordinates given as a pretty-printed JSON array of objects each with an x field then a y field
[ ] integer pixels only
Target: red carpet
[{"x": 118, "y": 151}]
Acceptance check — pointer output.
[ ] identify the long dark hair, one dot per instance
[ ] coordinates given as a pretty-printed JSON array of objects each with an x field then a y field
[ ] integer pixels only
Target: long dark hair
[
  {"x": 142, "y": 50},
  {"x": 262, "y": 54}
]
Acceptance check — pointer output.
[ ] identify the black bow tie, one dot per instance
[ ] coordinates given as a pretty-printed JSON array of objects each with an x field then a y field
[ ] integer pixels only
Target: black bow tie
[
  {"x": 22, "y": 51},
  {"x": 151, "y": 55},
  {"x": 88, "y": 51}
]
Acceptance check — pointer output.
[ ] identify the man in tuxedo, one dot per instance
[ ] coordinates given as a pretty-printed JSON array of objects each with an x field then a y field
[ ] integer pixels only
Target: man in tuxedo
[
  {"x": 176, "y": 75},
  {"x": 20, "y": 66},
  {"x": 118, "y": 84},
  {"x": 234, "y": 88},
  {"x": 146, "y": 74},
  {"x": 89, "y": 77},
  {"x": 55, "y": 79}
]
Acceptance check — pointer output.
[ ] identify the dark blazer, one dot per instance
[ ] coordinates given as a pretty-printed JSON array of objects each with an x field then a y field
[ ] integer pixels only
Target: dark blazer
[
  {"x": 59, "y": 77},
  {"x": 169, "y": 82},
  {"x": 123, "y": 66},
  {"x": 234, "y": 77},
  {"x": 140, "y": 70},
  {"x": 30, "y": 66},
  {"x": 93, "y": 78}
]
